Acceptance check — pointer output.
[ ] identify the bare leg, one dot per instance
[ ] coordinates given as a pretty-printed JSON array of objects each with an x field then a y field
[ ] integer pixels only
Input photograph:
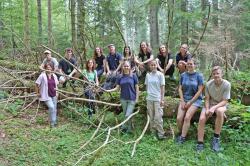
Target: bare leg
[
  {"x": 180, "y": 117},
  {"x": 219, "y": 119},
  {"x": 201, "y": 125},
  {"x": 190, "y": 113}
]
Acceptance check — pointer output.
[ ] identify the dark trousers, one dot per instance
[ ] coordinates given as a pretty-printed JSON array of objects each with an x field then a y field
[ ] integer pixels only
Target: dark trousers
[{"x": 170, "y": 71}]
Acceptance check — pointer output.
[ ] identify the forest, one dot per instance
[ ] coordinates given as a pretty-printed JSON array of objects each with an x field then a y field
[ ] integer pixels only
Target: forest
[{"x": 217, "y": 33}]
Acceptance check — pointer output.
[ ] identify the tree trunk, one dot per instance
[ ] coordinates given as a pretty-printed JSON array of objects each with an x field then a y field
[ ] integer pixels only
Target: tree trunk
[
  {"x": 73, "y": 23},
  {"x": 184, "y": 22},
  {"x": 203, "y": 55},
  {"x": 39, "y": 21},
  {"x": 26, "y": 25},
  {"x": 215, "y": 11},
  {"x": 170, "y": 20},
  {"x": 81, "y": 29},
  {"x": 50, "y": 37},
  {"x": 153, "y": 22}
]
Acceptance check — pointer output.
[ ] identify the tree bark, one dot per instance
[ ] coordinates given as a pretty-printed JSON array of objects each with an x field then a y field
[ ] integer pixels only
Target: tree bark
[
  {"x": 215, "y": 11},
  {"x": 184, "y": 22},
  {"x": 73, "y": 23},
  {"x": 26, "y": 25},
  {"x": 203, "y": 55},
  {"x": 81, "y": 13},
  {"x": 153, "y": 22},
  {"x": 39, "y": 21},
  {"x": 50, "y": 37}
]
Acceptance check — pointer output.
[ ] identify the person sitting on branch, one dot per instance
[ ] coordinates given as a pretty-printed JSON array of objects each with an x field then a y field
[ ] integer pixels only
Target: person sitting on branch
[{"x": 217, "y": 94}]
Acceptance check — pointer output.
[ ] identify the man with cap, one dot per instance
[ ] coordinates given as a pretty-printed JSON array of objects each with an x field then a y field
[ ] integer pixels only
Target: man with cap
[{"x": 49, "y": 59}]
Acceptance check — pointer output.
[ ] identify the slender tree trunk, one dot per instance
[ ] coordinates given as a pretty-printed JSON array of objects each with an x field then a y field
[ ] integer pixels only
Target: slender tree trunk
[
  {"x": 203, "y": 55},
  {"x": 170, "y": 5},
  {"x": 153, "y": 22},
  {"x": 215, "y": 11},
  {"x": 73, "y": 23},
  {"x": 39, "y": 21},
  {"x": 184, "y": 22},
  {"x": 50, "y": 36},
  {"x": 26, "y": 25},
  {"x": 1, "y": 26},
  {"x": 81, "y": 28}
]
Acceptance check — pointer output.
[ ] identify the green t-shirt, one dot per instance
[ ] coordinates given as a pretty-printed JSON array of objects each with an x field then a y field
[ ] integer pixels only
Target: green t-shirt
[{"x": 90, "y": 75}]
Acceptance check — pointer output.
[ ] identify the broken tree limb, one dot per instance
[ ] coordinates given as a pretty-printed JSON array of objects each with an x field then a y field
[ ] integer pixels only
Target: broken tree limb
[
  {"x": 107, "y": 138},
  {"x": 139, "y": 138},
  {"x": 89, "y": 100}
]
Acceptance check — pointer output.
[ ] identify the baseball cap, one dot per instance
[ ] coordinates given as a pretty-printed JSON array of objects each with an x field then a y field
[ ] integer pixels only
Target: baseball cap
[
  {"x": 47, "y": 52},
  {"x": 110, "y": 45}
]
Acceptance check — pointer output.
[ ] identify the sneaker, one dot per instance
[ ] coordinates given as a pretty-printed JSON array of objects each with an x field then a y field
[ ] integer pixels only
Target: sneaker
[
  {"x": 199, "y": 147},
  {"x": 215, "y": 144},
  {"x": 180, "y": 139}
]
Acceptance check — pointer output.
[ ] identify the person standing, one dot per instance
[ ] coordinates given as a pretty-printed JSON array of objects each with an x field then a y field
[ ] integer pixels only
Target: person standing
[
  {"x": 190, "y": 92},
  {"x": 182, "y": 57},
  {"x": 46, "y": 85},
  {"x": 165, "y": 62},
  {"x": 155, "y": 86},
  {"x": 217, "y": 94},
  {"x": 128, "y": 84}
]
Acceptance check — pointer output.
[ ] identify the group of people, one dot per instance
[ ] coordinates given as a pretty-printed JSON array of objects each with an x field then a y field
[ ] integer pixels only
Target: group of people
[{"x": 123, "y": 73}]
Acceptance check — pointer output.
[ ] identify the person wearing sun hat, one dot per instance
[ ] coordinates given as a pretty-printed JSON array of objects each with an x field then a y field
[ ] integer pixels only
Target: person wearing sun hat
[{"x": 49, "y": 59}]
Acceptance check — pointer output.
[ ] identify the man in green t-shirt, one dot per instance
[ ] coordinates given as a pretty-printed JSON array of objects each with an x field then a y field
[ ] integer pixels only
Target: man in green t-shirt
[{"x": 217, "y": 94}]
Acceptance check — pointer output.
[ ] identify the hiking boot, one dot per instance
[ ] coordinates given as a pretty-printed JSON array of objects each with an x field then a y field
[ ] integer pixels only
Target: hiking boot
[
  {"x": 180, "y": 139},
  {"x": 172, "y": 78},
  {"x": 199, "y": 147},
  {"x": 215, "y": 145},
  {"x": 161, "y": 137}
]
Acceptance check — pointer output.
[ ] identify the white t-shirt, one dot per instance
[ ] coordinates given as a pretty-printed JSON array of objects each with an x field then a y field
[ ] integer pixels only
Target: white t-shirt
[{"x": 154, "y": 81}]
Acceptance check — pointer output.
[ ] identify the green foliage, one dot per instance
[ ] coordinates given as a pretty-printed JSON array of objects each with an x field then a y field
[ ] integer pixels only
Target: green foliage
[
  {"x": 37, "y": 144},
  {"x": 15, "y": 107}
]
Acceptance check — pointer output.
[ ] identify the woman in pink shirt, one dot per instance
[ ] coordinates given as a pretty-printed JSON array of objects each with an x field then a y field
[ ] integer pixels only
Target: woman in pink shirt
[{"x": 46, "y": 85}]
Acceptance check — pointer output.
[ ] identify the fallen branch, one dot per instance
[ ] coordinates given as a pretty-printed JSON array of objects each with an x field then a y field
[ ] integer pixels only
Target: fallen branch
[
  {"x": 89, "y": 100},
  {"x": 139, "y": 138},
  {"x": 92, "y": 137},
  {"x": 107, "y": 138}
]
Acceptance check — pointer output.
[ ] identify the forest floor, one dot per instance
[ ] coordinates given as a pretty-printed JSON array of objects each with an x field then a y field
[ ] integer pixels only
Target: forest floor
[{"x": 27, "y": 139}]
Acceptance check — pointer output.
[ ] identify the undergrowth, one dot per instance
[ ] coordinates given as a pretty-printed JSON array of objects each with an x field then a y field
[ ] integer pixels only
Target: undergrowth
[{"x": 30, "y": 142}]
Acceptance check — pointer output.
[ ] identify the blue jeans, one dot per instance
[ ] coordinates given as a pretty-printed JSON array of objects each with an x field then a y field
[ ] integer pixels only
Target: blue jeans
[
  {"x": 52, "y": 105},
  {"x": 99, "y": 72},
  {"x": 128, "y": 108}
]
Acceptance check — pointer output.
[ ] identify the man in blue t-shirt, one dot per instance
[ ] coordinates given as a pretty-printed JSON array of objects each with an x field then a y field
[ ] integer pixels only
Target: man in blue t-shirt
[
  {"x": 114, "y": 60},
  {"x": 113, "y": 65}
]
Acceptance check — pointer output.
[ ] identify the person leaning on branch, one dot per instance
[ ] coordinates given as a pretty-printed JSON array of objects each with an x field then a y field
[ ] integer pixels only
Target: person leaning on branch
[
  {"x": 89, "y": 90},
  {"x": 65, "y": 67},
  {"x": 190, "y": 92},
  {"x": 49, "y": 59},
  {"x": 46, "y": 85},
  {"x": 182, "y": 57},
  {"x": 217, "y": 94},
  {"x": 155, "y": 86},
  {"x": 128, "y": 84},
  {"x": 165, "y": 62},
  {"x": 127, "y": 56}
]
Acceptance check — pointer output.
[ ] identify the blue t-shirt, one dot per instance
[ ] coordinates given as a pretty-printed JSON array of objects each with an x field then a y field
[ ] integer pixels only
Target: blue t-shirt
[
  {"x": 113, "y": 61},
  {"x": 127, "y": 84},
  {"x": 190, "y": 83},
  {"x": 180, "y": 58}
]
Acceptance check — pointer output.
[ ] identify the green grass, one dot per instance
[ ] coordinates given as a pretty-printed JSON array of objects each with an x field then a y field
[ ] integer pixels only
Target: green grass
[{"x": 36, "y": 144}]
